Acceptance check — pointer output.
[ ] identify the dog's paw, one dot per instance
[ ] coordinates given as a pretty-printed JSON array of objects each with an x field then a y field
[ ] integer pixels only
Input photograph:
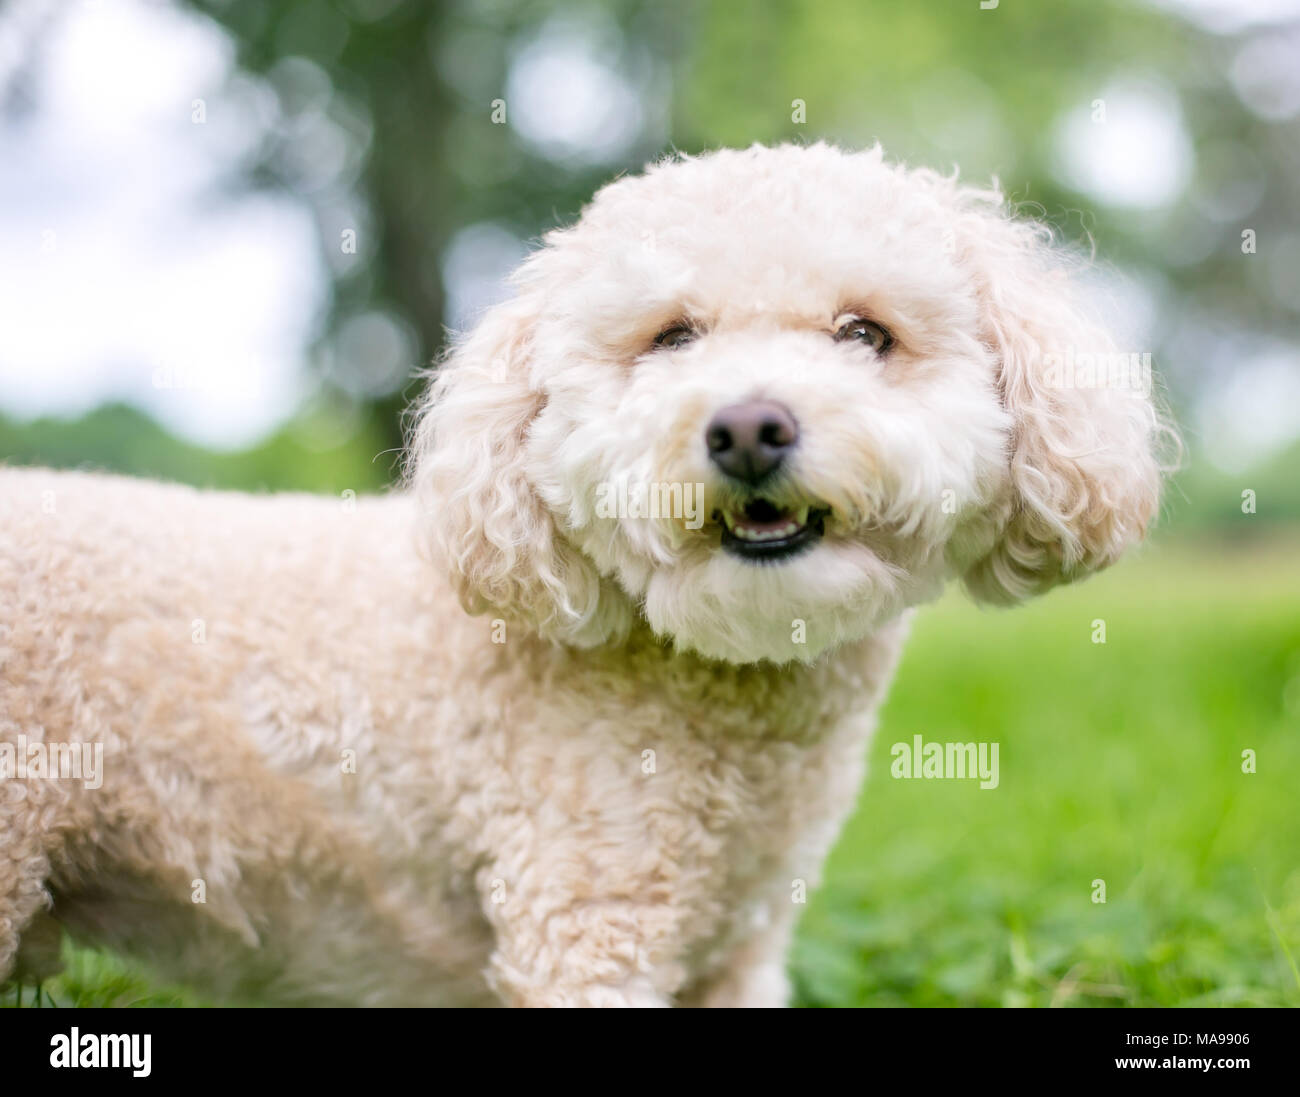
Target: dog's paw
[{"x": 636, "y": 992}]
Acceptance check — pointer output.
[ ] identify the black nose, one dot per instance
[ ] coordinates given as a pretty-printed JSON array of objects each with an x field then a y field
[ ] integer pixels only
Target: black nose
[{"x": 749, "y": 441}]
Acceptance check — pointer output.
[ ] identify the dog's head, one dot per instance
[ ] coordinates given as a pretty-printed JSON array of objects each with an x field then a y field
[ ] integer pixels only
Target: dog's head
[{"x": 768, "y": 399}]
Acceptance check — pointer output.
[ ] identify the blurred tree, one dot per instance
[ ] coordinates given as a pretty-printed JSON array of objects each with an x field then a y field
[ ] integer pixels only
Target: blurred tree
[
  {"x": 413, "y": 84},
  {"x": 1024, "y": 92},
  {"x": 941, "y": 84}
]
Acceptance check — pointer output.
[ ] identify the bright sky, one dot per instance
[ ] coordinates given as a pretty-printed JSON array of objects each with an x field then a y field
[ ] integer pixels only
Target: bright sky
[{"x": 126, "y": 273}]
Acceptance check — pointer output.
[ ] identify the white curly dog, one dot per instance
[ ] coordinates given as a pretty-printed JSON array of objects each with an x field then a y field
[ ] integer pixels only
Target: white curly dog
[{"x": 687, "y": 483}]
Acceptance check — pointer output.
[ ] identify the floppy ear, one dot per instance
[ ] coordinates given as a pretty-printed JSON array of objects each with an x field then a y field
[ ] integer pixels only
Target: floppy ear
[
  {"x": 1083, "y": 473},
  {"x": 469, "y": 466}
]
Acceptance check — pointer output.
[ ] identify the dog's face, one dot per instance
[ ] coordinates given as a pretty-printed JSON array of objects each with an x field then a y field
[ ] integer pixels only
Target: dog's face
[{"x": 769, "y": 399}]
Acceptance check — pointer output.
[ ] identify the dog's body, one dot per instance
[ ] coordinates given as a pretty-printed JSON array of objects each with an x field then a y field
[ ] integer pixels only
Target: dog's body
[
  {"x": 363, "y": 838},
  {"x": 325, "y": 781}
]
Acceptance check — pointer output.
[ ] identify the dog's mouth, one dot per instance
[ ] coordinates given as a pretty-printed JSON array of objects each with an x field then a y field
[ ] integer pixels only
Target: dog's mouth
[{"x": 760, "y": 529}]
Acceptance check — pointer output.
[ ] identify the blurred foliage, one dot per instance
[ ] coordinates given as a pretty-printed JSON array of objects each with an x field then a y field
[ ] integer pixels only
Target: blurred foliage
[
  {"x": 1203, "y": 497},
  {"x": 406, "y": 89},
  {"x": 943, "y": 84},
  {"x": 121, "y": 439},
  {"x": 411, "y": 83}
]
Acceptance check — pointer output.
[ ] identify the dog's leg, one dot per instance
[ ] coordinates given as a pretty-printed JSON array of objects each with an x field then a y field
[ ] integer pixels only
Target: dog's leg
[
  {"x": 753, "y": 973},
  {"x": 40, "y": 950},
  {"x": 568, "y": 951},
  {"x": 754, "y": 977},
  {"x": 24, "y": 868}
]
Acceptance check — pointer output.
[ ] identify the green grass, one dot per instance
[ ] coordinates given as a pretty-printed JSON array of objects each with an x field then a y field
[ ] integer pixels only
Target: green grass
[
  {"x": 91, "y": 978},
  {"x": 1120, "y": 762}
]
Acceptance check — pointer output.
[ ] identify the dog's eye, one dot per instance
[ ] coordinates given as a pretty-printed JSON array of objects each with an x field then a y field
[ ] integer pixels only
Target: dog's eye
[
  {"x": 865, "y": 331},
  {"x": 678, "y": 335}
]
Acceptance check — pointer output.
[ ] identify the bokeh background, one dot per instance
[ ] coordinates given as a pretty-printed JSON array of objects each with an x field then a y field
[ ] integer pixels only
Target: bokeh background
[{"x": 232, "y": 231}]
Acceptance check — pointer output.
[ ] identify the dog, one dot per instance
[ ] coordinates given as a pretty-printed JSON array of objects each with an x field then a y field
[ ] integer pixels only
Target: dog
[{"x": 564, "y": 719}]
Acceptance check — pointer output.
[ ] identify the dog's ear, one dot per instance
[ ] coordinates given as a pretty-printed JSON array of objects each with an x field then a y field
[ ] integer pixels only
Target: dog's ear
[
  {"x": 1083, "y": 470},
  {"x": 468, "y": 464}
]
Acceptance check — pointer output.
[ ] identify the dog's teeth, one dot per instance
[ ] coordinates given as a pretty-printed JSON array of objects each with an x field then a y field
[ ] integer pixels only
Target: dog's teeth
[
  {"x": 746, "y": 533},
  {"x": 793, "y": 523}
]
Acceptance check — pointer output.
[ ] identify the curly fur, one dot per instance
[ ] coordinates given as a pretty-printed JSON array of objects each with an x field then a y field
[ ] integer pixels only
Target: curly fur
[{"x": 600, "y": 784}]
